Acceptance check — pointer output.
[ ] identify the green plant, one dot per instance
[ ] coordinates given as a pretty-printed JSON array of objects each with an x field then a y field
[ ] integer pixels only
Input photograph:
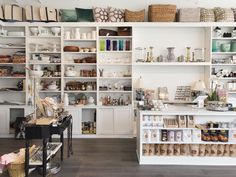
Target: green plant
[{"x": 213, "y": 96}]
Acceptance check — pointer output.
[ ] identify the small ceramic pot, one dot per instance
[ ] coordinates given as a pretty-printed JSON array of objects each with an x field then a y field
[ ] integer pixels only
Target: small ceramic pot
[
  {"x": 92, "y": 49},
  {"x": 86, "y": 49}
]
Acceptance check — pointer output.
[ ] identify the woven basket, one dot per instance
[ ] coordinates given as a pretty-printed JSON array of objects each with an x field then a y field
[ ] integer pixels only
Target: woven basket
[
  {"x": 162, "y": 13},
  {"x": 134, "y": 16},
  {"x": 16, "y": 170}
]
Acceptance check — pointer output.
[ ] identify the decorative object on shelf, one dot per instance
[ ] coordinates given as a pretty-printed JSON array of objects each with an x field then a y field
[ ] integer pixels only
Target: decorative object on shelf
[
  {"x": 227, "y": 35},
  {"x": 107, "y": 32},
  {"x": 162, "y": 13},
  {"x": 80, "y": 86},
  {"x": 234, "y": 32},
  {"x": 188, "y": 54},
  {"x": 180, "y": 58},
  {"x": 218, "y": 106},
  {"x": 76, "y": 33},
  {"x": 124, "y": 31},
  {"x": 163, "y": 93},
  {"x": 71, "y": 49},
  {"x": 34, "y": 31},
  {"x": 5, "y": 59},
  {"x": 170, "y": 123},
  {"x": 200, "y": 89},
  {"x": 150, "y": 56},
  {"x": 140, "y": 54},
  {"x": 90, "y": 100},
  {"x": 225, "y": 47},
  {"x": 88, "y": 127},
  {"x": 85, "y": 60},
  {"x": 182, "y": 121},
  {"x": 171, "y": 55},
  {"x": 70, "y": 71},
  {"x": 183, "y": 93},
  {"x": 52, "y": 86},
  {"x": 56, "y": 30},
  {"x": 67, "y": 35},
  {"x": 199, "y": 55},
  {"x": 215, "y": 46},
  {"x": 88, "y": 73},
  {"x": 134, "y": 16},
  {"x": 218, "y": 32},
  {"x": 160, "y": 58}
]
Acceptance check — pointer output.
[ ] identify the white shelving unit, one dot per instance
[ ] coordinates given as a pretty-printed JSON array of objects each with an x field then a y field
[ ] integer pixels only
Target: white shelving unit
[
  {"x": 159, "y": 35},
  {"x": 219, "y": 56},
  {"x": 201, "y": 116}
]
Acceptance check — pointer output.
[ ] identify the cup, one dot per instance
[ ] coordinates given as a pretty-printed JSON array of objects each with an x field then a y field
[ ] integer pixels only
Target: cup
[
  {"x": 89, "y": 35},
  {"x": 94, "y": 34},
  {"x": 84, "y": 36}
]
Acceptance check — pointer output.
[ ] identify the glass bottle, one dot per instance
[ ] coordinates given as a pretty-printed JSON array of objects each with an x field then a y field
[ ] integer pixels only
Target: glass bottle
[
  {"x": 188, "y": 57},
  {"x": 151, "y": 53}
]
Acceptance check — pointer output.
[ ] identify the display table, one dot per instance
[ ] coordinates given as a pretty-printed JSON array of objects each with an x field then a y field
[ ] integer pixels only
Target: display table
[
  {"x": 45, "y": 132},
  {"x": 162, "y": 144}
]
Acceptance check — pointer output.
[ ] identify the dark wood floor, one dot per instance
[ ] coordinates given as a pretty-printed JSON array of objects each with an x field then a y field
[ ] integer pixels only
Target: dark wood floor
[{"x": 117, "y": 158}]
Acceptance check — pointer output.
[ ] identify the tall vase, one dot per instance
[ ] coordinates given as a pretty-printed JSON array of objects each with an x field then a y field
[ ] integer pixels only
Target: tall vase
[
  {"x": 77, "y": 33},
  {"x": 171, "y": 55}
]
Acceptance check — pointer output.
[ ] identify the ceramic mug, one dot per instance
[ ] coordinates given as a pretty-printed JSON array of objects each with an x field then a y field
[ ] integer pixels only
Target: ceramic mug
[{"x": 225, "y": 47}]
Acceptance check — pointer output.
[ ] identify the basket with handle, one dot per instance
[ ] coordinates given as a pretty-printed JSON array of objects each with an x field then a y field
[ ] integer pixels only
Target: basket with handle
[
  {"x": 162, "y": 13},
  {"x": 17, "y": 168}
]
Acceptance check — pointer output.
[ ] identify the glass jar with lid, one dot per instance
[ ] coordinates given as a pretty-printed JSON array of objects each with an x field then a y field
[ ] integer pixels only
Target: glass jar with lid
[{"x": 199, "y": 54}]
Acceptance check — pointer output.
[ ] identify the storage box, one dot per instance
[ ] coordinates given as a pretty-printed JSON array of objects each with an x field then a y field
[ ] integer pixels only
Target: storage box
[
  {"x": 181, "y": 121},
  {"x": 189, "y": 15},
  {"x": 196, "y": 135},
  {"x": 187, "y": 136},
  {"x": 232, "y": 136}
]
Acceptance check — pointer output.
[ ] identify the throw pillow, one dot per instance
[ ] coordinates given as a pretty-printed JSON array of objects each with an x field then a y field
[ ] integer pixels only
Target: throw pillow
[
  {"x": 224, "y": 15},
  {"x": 84, "y": 15},
  {"x": 207, "y": 15},
  {"x": 116, "y": 15},
  {"x": 68, "y": 15},
  {"x": 100, "y": 14}
]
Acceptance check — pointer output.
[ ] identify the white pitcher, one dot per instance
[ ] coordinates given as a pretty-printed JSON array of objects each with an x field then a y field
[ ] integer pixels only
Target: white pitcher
[{"x": 77, "y": 33}]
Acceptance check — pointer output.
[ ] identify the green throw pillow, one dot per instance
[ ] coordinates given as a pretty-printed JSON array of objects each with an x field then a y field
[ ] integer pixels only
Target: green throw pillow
[
  {"x": 84, "y": 15},
  {"x": 68, "y": 15}
]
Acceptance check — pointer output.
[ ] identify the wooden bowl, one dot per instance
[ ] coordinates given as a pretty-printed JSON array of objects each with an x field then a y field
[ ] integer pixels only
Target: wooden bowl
[{"x": 71, "y": 49}]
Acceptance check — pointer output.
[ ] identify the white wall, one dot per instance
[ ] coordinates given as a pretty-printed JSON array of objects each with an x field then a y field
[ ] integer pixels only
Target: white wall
[{"x": 130, "y": 4}]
